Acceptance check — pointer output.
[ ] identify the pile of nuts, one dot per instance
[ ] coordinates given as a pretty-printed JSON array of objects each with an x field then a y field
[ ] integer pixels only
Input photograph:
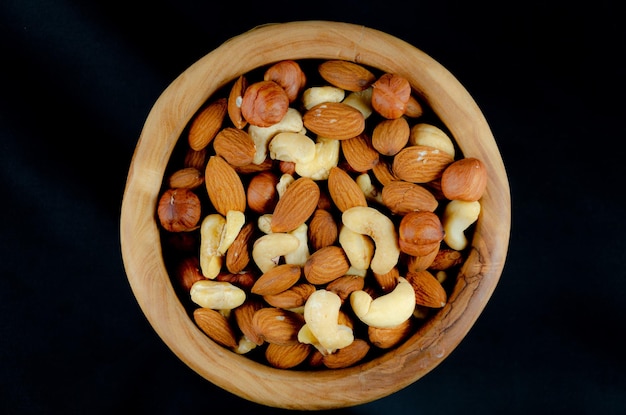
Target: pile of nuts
[{"x": 311, "y": 218}]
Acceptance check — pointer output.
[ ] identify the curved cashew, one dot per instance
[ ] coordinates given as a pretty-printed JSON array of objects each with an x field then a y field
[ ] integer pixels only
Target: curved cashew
[
  {"x": 359, "y": 248},
  {"x": 217, "y": 295},
  {"x": 369, "y": 221},
  {"x": 211, "y": 231},
  {"x": 361, "y": 100},
  {"x": 423, "y": 134},
  {"x": 268, "y": 249},
  {"x": 234, "y": 222},
  {"x": 291, "y": 122},
  {"x": 322, "y": 328},
  {"x": 369, "y": 190},
  {"x": 264, "y": 223},
  {"x": 388, "y": 310},
  {"x": 318, "y": 94},
  {"x": 283, "y": 183},
  {"x": 301, "y": 254},
  {"x": 294, "y": 147},
  {"x": 457, "y": 217},
  {"x": 326, "y": 157}
]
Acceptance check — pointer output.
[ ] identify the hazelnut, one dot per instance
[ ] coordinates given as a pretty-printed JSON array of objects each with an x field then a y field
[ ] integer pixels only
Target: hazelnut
[
  {"x": 261, "y": 194},
  {"x": 420, "y": 233},
  {"x": 264, "y": 103},
  {"x": 289, "y": 75},
  {"x": 179, "y": 210},
  {"x": 390, "y": 95}
]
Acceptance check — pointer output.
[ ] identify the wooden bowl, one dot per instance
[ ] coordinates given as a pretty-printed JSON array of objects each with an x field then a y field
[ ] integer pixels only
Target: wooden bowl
[{"x": 140, "y": 238}]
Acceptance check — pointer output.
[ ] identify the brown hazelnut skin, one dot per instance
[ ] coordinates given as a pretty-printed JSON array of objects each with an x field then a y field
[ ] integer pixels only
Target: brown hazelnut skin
[
  {"x": 261, "y": 194},
  {"x": 419, "y": 233},
  {"x": 179, "y": 210}
]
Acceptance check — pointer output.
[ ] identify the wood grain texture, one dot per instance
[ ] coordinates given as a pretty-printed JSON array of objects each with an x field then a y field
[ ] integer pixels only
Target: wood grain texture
[{"x": 330, "y": 388}]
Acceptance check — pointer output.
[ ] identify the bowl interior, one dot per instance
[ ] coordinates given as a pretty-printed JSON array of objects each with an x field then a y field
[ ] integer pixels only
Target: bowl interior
[{"x": 140, "y": 238}]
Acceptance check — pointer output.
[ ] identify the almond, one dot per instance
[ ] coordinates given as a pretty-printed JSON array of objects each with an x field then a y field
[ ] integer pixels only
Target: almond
[
  {"x": 277, "y": 279},
  {"x": 388, "y": 281},
  {"x": 206, "y": 124},
  {"x": 293, "y": 297},
  {"x": 196, "y": 158},
  {"x": 420, "y": 164},
  {"x": 322, "y": 230},
  {"x": 276, "y": 325},
  {"x": 244, "y": 279},
  {"x": 382, "y": 171},
  {"x": 465, "y": 179},
  {"x": 216, "y": 326},
  {"x": 264, "y": 103},
  {"x": 286, "y": 356},
  {"x": 359, "y": 153},
  {"x": 347, "y": 356},
  {"x": 428, "y": 290},
  {"x": 238, "y": 254},
  {"x": 326, "y": 264},
  {"x": 186, "y": 178},
  {"x": 424, "y": 261},
  {"x": 386, "y": 338},
  {"x": 224, "y": 186},
  {"x": 244, "y": 315},
  {"x": 404, "y": 197},
  {"x": 296, "y": 205},
  {"x": 346, "y": 75},
  {"x": 446, "y": 258},
  {"x": 188, "y": 272},
  {"x": 235, "y": 146},
  {"x": 235, "y": 98},
  {"x": 344, "y": 191},
  {"x": 343, "y": 286},
  {"x": 391, "y": 136},
  {"x": 334, "y": 120}
]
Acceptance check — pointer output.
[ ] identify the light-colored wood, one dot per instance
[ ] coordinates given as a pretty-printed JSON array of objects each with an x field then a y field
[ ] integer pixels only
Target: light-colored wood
[{"x": 141, "y": 248}]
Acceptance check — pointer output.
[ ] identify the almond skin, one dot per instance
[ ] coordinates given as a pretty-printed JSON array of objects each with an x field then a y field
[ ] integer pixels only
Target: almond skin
[
  {"x": 238, "y": 254},
  {"x": 277, "y": 279},
  {"x": 296, "y": 205},
  {"x": 359, "y": 153},
  {"x": 207, "y": 123},
  {"x": 322, "y": 230},
  {"x": 344, "y": 191},
  {"x": 325, "y": 265},
  {"x": 346, "y": 75},
  {"x": 244, "y": 315},
  {"x": 235, "y": 146},
  {"x": 224, "y": 186},
  {"x": 428, "y": 291},
  {"x": 404, "y": 197},
  {"x": 293, "y": 297},
  {"x": 235, "y": 97},
  {"x": 386, "y": 338},
  {"x": 390, "y": 136},
  {"x": 420, "y": 164},
  {"x": 276, "y": 325},
  {"x": 287, "y": 356},
  {"x": 347, "y": 356},
  {"x": 216, "y": 326},
  {"x": 465, "y": 179},
  {"x": 188, "y": 178},
  {"x": 343, "y": 286},
  {"x": 334, "y": 120}
]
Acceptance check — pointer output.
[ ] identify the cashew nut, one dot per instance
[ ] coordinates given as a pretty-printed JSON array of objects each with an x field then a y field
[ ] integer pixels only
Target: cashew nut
[
  {"x": 423, "y": 134},
  {"x": 301, "y": 254},
  {"x": 294, "y": 147},
  {"x": 369, "y": 221},
  {"x": 283, "y": 183},
  {"x": 268, "y": 249},
  {"x": 457, "y": 217},
  {"x": 318, "y": 94},
  {"x": 326, "y": 157},
  {"x": 361, "y": 100},
  {"x": 211, "y": 231},
  {"x": 359, "y": 248},
  {"x": 264, "y": 223},
  {"x": 217, "y": 295},
  {"x": 388, "y": 310},
  {"x": 291, "y": 122},
  {"x": 217, "y": 233},
  {"x": 322, "y": 328},
  {"x": 369, "y": 190}
]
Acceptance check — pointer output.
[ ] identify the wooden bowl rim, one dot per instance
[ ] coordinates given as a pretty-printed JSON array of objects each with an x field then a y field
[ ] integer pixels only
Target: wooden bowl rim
[{"x": 140, "y": 240}]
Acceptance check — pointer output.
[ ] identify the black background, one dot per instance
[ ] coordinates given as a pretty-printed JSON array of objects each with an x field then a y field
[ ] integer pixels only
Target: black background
[{"x": 77, "y": 82}]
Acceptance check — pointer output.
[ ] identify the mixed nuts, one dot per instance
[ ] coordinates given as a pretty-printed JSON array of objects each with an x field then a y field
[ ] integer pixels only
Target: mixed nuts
[{"x": 313, "y": 212}]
